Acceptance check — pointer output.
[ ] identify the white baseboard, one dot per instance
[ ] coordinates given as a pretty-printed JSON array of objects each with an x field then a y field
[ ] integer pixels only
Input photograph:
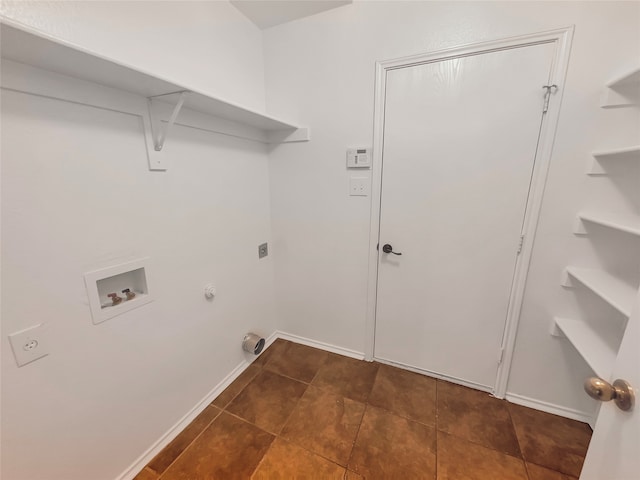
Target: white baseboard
[
  {"x": 320, "y": 345},
  {"x": 511, "y": 397},
  {"x": 457, "y": 381},
  {"x": 551, "y": 408},
  {"x": 175, "y": 430}
]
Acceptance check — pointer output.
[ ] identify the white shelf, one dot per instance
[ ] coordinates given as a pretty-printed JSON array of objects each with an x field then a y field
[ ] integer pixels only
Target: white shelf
[
  {"x": 25, "y": 45},
  {"x": 598, "y": 160},
  {"x": 622, "y": 222},
  {"x": 598, "y": 355},
  {"x": 623, "y": 90},
  {"x": 625, "y": 153},
  {"x": 631, "y": 77},
  {"x": 612, "y": 290}
]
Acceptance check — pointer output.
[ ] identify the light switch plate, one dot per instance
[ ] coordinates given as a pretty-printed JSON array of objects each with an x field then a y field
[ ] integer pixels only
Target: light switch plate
[
  {"x": 29, "y": 344},
  {"x": 263, "y": 250}
]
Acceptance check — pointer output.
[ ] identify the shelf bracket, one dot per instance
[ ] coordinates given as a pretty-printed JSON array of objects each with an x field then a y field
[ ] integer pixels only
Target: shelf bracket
[
  {"x": 579, "y": 227},
  {"x": 620, "y": 96},
  {"x": 160, "y": 133},
  {"x": 595, "y": 167},
  {"x": 567, "y": 280},
  {"x": 555, "y": 331}
]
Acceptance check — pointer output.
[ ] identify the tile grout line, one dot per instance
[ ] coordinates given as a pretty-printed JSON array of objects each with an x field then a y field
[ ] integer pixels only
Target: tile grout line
[
  {"x": 221, "y": 410},
  {"x": 436, "y": 427},
  {"x": 276, "y": 435},
  {"x": 250, "y": 423},
  {"x": 288, "y": 377},
  {"x": 311, "y": 384},
  {"x": 280, "y": 435},
  {"x": 260, "y": 369},
  {"x": 478, "y": 444},
  {"x": 149, "y": 469},
  {"x": 404, "y": 416},
  {"x": 190, "y": 443},
  {"x": 310, "y": 451},
  {"x": 355, "y": 439},
  {"x": 240, "y": 391},
  {"x": 284, "y": 424},
  {"x": 262, "y": 459},
  {"x": 366, "y": 406},
  {"x": 259, "y": 428},
  {"x": 264, "y": 367},
  {"x": 521, "y": 457},
  {"x": 553, "y": 470},
  {"x": 513, "y": 424}
]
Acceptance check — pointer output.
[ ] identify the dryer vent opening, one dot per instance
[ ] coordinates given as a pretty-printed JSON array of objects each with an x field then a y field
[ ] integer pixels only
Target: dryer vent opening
[{"x": 253, "y": 343}]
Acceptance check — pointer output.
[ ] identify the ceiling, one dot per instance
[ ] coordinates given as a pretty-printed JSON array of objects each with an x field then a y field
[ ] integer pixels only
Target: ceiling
[{"x": 268, "y": 13}]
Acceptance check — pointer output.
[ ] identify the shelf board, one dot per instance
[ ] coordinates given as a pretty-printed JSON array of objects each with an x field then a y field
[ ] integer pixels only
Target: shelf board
[
  {"x": 32, "y": 47},
  {"x": 595, "y": 351},
  {"x": 600, "y": 158},
  {"x": 623, "y": 222},
  {"x": 624, "y": 153},
  {"x": 631, "y": 77},
  {"x": 615, "y": 292}
]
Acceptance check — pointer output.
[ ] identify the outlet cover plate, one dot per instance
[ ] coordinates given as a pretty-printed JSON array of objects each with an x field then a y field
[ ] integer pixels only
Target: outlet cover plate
[
  {"x": 29, "y": 344},
  {"x": 263, "y": 250},
  {"x": 359, "y": 186}
]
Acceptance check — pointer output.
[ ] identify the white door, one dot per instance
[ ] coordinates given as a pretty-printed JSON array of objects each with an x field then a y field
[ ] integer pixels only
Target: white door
[
  {"x": 614, "y": 451},
  {"x": 460, "y": 139}
]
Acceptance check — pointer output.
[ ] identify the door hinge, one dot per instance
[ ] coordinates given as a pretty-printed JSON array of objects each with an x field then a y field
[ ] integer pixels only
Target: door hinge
[
  {"x": 520, "y": 244},
  {"x": 500, "y": 355},
  {"x": 549, "y": 89}
]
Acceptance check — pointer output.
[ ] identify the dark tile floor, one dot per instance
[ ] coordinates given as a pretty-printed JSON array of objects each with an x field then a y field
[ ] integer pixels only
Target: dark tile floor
[{"x": 298, "y": 412}]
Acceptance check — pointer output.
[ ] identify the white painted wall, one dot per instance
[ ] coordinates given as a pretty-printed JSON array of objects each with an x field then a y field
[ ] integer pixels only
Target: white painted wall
[
  {"x": 209, "y": 46},
  {"x": 77, "y": 195},
  {"x": 321, "y": 70},
  {"x": 107, "y": 392}
]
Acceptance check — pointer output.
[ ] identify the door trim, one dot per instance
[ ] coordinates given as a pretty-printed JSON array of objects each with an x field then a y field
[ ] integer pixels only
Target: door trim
[{"x": 562, "y": 38}]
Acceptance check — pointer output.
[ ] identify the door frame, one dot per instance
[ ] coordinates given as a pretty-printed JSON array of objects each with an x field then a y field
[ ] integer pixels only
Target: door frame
[{"x": 562, "y": 38}]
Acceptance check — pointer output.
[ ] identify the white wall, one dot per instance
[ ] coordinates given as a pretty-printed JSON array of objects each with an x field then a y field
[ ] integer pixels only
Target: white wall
[
  {"x": 321, "y": 70},
  {"x": 209, "y": 46},
  {"x": 107, "y": 392},
  {"x": 77, "y": 195}
]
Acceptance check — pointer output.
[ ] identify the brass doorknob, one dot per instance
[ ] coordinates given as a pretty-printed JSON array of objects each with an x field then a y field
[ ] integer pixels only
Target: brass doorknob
[{"x": 620, "y": 392}]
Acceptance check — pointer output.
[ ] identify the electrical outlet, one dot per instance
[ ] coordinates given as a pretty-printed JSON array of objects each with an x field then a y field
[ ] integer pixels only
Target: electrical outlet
[
  {"x": 359, "y": 186},
  {"x": 263, "y": 250},
  {"x": 29, "y": 344}
]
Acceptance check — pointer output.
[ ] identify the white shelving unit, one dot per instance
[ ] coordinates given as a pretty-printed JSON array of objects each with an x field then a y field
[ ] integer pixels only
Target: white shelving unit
[
  {"x": 622, "y": 90},
  {"x": 598, "y": 340},
  {"x": 615, "y": 292},
  {"x": 599, "y": 355},
  {"x": 622, "y": 222},
  {"x": 600, "y": 158},
  {"x": 28, "y": 46}
]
